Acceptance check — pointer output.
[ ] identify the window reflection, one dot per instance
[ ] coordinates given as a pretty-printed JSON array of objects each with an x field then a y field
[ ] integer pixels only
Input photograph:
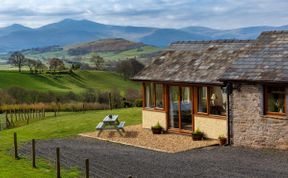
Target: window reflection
[
  {"x": 217, "y": 101},
  {"x": 276, "y": 99},
  {"x": 202, "y": 99}
]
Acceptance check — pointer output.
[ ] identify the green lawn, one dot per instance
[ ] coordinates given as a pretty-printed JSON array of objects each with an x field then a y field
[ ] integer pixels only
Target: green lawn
[
  {"x": 129, "y": 53},
  {"x": 77, "y": 82},
  {"x": 65, "y": 125}
]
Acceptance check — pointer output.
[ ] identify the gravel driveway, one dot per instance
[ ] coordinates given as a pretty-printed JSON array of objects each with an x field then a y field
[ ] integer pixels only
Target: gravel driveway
[{"x": 116, "y": 160}]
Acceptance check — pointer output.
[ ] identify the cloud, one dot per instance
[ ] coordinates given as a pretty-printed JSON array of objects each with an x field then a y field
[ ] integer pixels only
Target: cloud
[{"x": 157, "y": 13}]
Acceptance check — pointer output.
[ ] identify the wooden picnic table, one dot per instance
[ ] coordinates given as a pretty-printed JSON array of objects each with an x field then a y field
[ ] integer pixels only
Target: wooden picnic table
[{"x": 111, "y": 122}]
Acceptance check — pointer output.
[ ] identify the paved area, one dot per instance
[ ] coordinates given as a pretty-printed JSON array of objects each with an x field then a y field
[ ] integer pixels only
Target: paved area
[
  {"x": 116, "y": 160},
  {"x": 137, "y": 136}
]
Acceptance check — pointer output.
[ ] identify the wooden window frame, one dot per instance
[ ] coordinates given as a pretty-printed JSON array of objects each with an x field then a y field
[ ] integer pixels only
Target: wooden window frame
[
  {"x": 209, "y": 98},
  {"x": 153, "y": 108},
  {"x": 192, "y": 90},
  {"x": 207, "y": 114},
  {"x": 266, "y": 112},
  {"x": 197, "y": 101},
  {"x": 163, "y": 96}
]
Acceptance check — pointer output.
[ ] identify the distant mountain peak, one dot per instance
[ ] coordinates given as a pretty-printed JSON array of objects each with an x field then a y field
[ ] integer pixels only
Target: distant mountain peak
[
  {"x": 72, "y": 31},
  {"x": 16, "y": 27}
]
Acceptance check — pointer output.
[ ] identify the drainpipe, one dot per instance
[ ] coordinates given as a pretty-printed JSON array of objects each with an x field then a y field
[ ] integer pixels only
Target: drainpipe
[{"x": 229, "y": 91}]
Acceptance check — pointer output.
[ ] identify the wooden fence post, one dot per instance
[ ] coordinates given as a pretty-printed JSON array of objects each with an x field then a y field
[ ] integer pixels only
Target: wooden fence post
[
  {"x": 110, "y": 101},
  {"x": 19, "y": 115},
  {"x": 87, "y": 167},
  {"x": 58, "y": 162},
  {"x": 33, "y": 154},
  {"x": 15, "y": 114},
  {"x": 15, "y": 146},
  {"x": 8, "y": 124}
]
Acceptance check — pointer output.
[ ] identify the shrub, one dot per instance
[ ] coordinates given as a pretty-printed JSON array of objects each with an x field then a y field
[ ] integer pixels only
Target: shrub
[
  {"x": 157, "y": 126},
  {"x": 138, "y": 102}
]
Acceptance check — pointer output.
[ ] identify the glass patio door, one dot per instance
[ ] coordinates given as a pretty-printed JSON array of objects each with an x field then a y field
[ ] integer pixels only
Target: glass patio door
[
  {"x": 180, "y": 110},
  {"x": 186, "y": 108},
  {"x": 174, "y": 107}
]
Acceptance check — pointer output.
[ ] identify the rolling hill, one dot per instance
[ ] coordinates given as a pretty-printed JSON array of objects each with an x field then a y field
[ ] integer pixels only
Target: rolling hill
[
  {"x": 68, "y": 31},
  {"x": 106, "y": 45},
  {"x": 163, "y": 37},
  {"x": 109, "y": 49},
  {"x": 77, "y": 82}
]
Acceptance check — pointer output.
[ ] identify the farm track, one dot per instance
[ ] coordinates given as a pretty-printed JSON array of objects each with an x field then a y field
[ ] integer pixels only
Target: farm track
[{"x": 116, "y": 160}]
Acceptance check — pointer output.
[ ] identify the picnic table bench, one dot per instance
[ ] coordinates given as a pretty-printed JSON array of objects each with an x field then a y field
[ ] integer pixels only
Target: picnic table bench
[{"x": 111, "y": 122}]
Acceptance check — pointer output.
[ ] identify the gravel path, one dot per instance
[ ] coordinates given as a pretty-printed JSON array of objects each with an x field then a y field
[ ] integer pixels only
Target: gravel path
[
  {"x": 116, "y": 160},
  {"x": 137, "y": 136}
]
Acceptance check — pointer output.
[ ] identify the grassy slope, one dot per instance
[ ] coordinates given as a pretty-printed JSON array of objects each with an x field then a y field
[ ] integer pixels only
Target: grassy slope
[
  {"x": 77, "y": 82},
  {"x": 129, "y": 53},
  {"x": 106, "y": 55},
  {"x": 65, "y": 125}
]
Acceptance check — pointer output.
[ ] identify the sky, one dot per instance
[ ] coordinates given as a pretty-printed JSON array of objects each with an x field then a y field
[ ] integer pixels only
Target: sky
[{"x": 219, "y": 14}]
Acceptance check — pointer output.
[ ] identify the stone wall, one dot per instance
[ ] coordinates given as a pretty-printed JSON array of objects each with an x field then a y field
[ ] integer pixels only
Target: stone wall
[{"x": 250, "y": 126}]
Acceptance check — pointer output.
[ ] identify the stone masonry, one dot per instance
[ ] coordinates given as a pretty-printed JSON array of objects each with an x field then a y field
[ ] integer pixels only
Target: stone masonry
[{"x": 250, "y": 126}]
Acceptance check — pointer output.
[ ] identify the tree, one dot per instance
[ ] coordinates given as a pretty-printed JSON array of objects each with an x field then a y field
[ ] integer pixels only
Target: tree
[
  {"x": 98, "y": 61},
  {"x": 40, "y": 66},
  {"x": 56, "y": 64},
  {"x": 129, "y": 67},
  {"x": 75, "y": 66},
  {"x": 17, "y": 59},
  {"x": 31, "y": 64}
]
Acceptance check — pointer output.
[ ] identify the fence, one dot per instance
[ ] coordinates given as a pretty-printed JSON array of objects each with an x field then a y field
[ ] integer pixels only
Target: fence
[
  {"x": 14, "y": 116},
  {"x": 2, "y": 122},
  {"x": 58, "y": 154}
]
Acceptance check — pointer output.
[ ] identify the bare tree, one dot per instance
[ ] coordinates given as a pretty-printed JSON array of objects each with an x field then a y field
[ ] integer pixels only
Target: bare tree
[
  {"x": 31, "y": 64},
  {"x": 98, "y": 61},
  {"x": 56, "y": 64},
  {"x": 40, "y": 66},
  {"x": 17, "y": 59}
]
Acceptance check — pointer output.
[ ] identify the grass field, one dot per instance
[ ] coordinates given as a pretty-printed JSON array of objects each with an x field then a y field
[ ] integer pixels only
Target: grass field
[
  {"x": 129, "y": 53},
  {"x": 65, "y": 125},
  {"x": 77, "y": 82},
  {"x": 86, "y": 58}
]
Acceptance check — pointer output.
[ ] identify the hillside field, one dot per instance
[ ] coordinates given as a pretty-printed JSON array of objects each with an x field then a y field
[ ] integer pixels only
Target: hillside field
[
  {"x": 76, "y": 82},
  {"x": 63, "y": 126}
]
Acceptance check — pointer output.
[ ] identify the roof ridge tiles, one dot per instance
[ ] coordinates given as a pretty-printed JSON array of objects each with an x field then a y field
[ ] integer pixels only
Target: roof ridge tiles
[{"x": 212, "y": 41}]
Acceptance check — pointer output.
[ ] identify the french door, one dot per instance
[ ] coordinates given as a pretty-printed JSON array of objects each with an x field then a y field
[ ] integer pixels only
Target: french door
[{"x": 180, "y": 108}]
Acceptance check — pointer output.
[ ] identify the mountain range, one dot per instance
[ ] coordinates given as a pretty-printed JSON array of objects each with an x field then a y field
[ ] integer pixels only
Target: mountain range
[{"x": 69, "y": 31}]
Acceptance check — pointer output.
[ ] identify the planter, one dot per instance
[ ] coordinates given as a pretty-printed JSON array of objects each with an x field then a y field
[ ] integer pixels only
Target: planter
[
  {"x": 197, "y": 136},
  {"x": 223, "y": 141},
  {"x": 156, "y": 130}
]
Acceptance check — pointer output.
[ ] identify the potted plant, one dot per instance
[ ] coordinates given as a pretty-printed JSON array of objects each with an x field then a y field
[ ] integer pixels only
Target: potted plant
[
  {"x": 157, "y": 129},
  {"x": 222, "y": 140},
  {"x": 197, "y": 135}
]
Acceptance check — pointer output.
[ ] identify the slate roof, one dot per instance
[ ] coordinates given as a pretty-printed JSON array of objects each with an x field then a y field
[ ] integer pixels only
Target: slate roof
[
  {"x": 200, "y": 62},
  {"x": 266, "y": 60}
]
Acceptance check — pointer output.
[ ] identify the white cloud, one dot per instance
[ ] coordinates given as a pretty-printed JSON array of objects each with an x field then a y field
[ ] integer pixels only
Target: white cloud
[{"x": 159, "y": 13}]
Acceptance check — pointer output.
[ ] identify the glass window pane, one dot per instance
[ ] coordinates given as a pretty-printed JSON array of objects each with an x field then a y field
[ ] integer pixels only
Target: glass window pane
[
  {"x": 217, "y": 101},
  {"x": 149, "y": 95},
  {"x": 276, "y": 99},
  {"x": 186, "y": 109},
  {"x": 174, "y": 106},
  {"x": 202, "y": 99},
  {"x": 159, "y": 95}
]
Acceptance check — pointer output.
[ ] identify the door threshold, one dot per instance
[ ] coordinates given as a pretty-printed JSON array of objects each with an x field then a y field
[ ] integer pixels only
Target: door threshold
[{"x": 178, "y": 131}]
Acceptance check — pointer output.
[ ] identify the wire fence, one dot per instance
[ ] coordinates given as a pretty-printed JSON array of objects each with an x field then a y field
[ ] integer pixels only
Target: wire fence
[{"x": 2, "y": 122}]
